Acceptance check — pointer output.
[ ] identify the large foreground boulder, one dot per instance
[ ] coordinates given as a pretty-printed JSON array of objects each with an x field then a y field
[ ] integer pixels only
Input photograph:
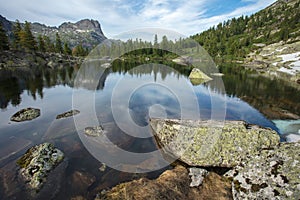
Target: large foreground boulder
[
  {"x": 37, "y": 163},
  {"x": 273, "y": 174},
  {"x": 211, "y": 143}
]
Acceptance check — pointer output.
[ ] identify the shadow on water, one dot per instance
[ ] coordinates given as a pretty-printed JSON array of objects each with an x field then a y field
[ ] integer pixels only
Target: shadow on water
[{"x": 273, "y": 97}]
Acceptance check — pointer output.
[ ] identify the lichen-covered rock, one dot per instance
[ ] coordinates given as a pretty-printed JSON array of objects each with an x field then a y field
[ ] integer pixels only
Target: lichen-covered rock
[
  {"x": 68, "y": 114},
  {"x": 37, "y": 162},
  {"x": 274, "y": 174},
  {"x": 94, "y": 131},
  {"x": 198, "y": 77},
  {"x": 26, "y": 114},
  {"x": 211, "y": 143}
]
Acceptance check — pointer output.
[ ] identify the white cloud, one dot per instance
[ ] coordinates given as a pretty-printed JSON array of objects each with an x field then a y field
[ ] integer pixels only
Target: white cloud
[{"x": 116, "y": 16}]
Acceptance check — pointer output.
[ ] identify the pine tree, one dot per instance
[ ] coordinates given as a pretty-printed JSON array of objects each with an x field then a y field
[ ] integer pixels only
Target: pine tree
[
  {"x": 49, "y": 45},
  {"x": 41, "y": 44},
  {"x": 27, "y": 39},
  {"x": 16, "y": 35},
  {"x": 67, "y": 49},
  {"x": 79, "y": 51},
  {"x": 58, "y": 44},
  {"x": 3, "y": 39}
]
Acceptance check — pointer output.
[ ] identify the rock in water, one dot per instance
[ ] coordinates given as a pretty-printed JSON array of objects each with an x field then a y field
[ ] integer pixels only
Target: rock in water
[
  {"x": 197, "y": 77},
  {"x": 68, "y": 114},
  {"x": 94, "y": 131},
  {"x": 274, "y": 174},
  {"x": 26, "y": 114},
  {"x": 211, "y": 143},
  {"x": 37, "y": 163}
]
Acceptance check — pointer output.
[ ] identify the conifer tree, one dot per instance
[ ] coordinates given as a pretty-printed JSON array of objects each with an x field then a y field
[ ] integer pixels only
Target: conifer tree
[
  {"x": 58, "y": 44},
  {"x": 41, "y": 44},
  {"x": 79, "y": 51},
  {"x": 49, "y": 45},
  {"x": 3, "y": 39},
  {"x": 67, "y": 49},
  {"x": 27, "y": 39},
  {"x": 16, "y": 35}
]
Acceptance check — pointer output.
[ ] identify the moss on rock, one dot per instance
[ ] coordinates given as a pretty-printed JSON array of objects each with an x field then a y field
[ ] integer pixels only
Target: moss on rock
[
  {"x": 26, "y": 114},
  {"x": 211, "y": 143},
  {"x": 37, "y": 162}
]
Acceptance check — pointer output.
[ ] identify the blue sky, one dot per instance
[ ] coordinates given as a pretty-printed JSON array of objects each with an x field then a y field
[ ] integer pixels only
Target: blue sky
[{"x": 117, "y": 16}]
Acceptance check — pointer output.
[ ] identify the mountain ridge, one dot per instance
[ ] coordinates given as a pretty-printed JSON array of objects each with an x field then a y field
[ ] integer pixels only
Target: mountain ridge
[
  {"x": 267, "y": 41},
  {"x": 87, "y": 32}
]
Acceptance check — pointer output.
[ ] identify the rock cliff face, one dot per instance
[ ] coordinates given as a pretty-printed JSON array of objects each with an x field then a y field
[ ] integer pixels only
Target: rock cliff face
[{"x": 88, "y": 32}]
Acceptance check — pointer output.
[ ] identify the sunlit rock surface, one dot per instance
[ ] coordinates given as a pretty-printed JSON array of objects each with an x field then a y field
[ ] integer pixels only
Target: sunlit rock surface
[
  {"x": 198, "y": 77},
  {"x": 211, "y": 143}
]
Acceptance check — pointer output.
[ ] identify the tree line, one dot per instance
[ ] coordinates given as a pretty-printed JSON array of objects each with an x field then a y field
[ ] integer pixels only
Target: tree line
[
  {"x": 237, "y": 37},
  {"x": 143, "y": 49},
  {"x": 23, "y": 39}
]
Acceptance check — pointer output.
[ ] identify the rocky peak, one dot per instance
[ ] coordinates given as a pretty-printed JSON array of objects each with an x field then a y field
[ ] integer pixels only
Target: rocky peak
[
  {"x": 82, "y": 25},
  {"x": 86, "y": 32},
  {"x": 6, "y": 24}
]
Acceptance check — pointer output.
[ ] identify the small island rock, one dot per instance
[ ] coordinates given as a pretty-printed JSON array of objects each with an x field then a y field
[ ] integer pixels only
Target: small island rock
[
  {"x": 94, "y": 131},
  {"x": 26, "y": 114},
  {"x": 68, "y": 114},
  {"x": 198, "y": 77}
]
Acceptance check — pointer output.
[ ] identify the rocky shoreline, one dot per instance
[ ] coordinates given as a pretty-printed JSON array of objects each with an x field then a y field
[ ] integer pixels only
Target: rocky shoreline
[
  {"x": 212, "y": 160},
  {"x": 270, "y": 173},
  {"x": 279, "y": 60},
  {"x": 18, "y": 58}
]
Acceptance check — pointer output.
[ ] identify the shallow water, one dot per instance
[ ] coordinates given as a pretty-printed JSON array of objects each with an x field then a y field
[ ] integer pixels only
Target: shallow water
[{"x": 122, "y": 99}]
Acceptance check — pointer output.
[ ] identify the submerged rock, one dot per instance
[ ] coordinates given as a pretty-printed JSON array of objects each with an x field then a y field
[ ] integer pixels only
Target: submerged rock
[
  {"x": 81, "y": 181},
  {"x": 37, "y": 163},
  {"x": 198, "y": 77},
  {"x": 211, "y": 143},
  {"x": 26, "y": 114},
  {"x": 68, "y": 114},
  {"x": 94, "y": 131},
  {"x": 11, "y": 146},
  {"x": 273, "y": 174}
]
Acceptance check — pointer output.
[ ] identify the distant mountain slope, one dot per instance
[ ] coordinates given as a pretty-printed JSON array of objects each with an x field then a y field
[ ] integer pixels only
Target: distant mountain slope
[
  {"x": 238, "y": 37},
  {"x": 88, "y": 32}
]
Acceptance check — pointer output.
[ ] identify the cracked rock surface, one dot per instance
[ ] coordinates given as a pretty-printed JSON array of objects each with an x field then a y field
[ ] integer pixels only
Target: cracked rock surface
[{"x": 273, "y": 174}]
